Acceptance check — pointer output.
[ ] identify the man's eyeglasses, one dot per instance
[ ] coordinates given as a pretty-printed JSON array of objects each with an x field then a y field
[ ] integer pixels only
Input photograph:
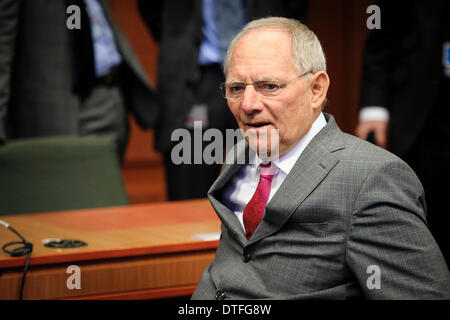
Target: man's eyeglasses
[{"x": 268, "y": 88}]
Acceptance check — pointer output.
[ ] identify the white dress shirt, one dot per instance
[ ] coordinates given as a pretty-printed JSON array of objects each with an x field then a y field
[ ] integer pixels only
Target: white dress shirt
[
  {"x": 242, "y": 186},
  {"x": 374, "y": 113}
]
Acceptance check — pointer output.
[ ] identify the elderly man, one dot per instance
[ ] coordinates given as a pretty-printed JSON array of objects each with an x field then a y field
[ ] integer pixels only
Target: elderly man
[{"x": 332, "y": 217}]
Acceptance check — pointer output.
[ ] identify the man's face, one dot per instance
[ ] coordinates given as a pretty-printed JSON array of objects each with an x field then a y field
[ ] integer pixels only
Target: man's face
[{"x": 267, "y": 54}]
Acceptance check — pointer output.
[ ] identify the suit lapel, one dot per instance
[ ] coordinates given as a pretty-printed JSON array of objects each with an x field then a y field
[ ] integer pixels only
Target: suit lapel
[
  {"x": 315, "y": 162},
  {"x": 124, "y": 47},
  {"x": 228, "y": 217}
]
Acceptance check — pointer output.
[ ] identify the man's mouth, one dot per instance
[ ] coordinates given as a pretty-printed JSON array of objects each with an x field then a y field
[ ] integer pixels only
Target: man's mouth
[{"x": 258, "y": 125}]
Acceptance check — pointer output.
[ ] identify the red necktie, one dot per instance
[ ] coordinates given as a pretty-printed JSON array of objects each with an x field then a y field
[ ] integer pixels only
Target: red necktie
[{"x": 254, "y": 210}]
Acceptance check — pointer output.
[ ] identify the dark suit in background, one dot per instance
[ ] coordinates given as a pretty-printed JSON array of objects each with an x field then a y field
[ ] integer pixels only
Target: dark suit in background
[
  {"x": 182, "y": 82},
  {"x": 403, "y": 71},
  {"x": 48, "y": 86}
]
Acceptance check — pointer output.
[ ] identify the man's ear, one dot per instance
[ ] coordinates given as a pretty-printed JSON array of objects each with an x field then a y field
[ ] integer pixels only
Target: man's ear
[{"x": 319, "y": 88}]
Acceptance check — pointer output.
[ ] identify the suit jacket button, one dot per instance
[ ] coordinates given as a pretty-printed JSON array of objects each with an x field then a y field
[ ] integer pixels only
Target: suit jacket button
[
  {"x": 247, "y": 257},
  {"x": 220, "y": 295}
]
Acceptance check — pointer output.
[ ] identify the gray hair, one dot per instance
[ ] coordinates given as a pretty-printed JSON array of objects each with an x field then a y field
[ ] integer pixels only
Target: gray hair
[{"x": 308, "y": 53}]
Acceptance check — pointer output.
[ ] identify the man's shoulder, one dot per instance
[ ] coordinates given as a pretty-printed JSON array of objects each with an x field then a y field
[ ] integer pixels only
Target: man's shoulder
[
  {"x": 361, "y": 153},
  {"x": 350, "y": 147},
  {"x": 362, "y": 148}
]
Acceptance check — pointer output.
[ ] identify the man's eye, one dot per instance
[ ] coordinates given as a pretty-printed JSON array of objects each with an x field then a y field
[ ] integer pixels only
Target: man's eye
[
  {"x": 235, "y": 88},
  {"x": 269, "y": 86}
]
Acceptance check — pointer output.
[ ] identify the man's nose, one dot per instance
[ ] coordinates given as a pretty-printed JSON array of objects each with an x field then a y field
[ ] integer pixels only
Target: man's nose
[{"x": 250, "y": 100}]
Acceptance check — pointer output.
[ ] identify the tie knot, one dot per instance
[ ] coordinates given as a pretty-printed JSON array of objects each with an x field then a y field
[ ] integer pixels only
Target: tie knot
[{"x": 268, "y": 169}]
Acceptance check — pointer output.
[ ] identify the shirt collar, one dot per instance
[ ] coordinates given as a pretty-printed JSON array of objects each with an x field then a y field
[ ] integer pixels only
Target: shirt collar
[{"x": 287, "y": 161}]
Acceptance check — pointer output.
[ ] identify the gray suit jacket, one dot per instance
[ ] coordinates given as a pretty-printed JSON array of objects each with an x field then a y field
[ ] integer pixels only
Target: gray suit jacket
[
  {"x": 345, "y": 207},
  {"x": 43, "y": 63}
]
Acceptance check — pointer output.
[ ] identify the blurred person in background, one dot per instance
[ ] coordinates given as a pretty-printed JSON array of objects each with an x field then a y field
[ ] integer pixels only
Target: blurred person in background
[
  {"x": 58, "y": 80},
  {"x": 405, "y": 97}
]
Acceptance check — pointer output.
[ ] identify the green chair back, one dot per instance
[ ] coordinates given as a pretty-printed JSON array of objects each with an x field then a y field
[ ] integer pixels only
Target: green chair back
[{"x": 59, "y": 173}]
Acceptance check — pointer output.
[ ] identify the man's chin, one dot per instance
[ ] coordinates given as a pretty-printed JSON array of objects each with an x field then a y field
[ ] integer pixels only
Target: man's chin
[
  {"x": 264, "y": 140},
  {"x": 266, "y": 152}
]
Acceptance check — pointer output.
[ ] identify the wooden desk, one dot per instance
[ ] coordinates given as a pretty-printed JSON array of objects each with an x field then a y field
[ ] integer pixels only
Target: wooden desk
[{"x": 134, "y": 252}]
